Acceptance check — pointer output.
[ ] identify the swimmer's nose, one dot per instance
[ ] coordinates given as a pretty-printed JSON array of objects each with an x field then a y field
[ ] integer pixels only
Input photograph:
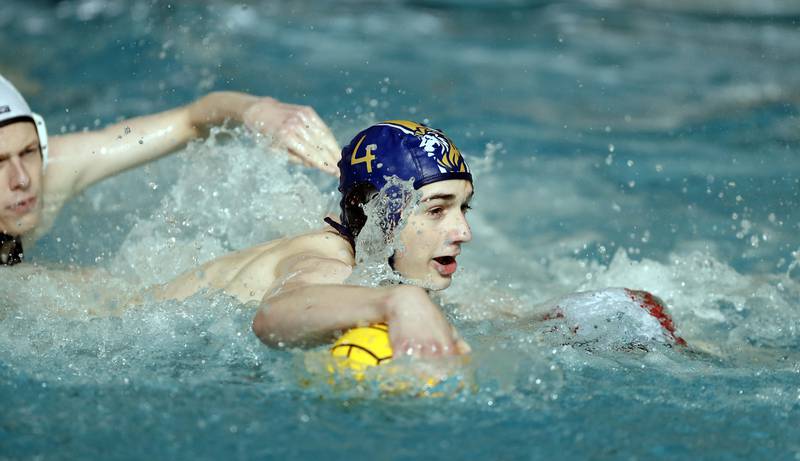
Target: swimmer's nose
[
  {"x": 461, "y": 232},
  {"x": 20, "y": 179}
]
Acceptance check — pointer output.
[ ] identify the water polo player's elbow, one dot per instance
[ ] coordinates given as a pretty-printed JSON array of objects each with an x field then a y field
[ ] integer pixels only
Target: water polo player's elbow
[{"x": 264, "y": 328}]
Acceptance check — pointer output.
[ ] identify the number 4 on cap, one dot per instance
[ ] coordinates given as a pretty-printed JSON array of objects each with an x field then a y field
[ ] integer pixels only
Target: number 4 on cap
[{"x": 367, "y": 158}]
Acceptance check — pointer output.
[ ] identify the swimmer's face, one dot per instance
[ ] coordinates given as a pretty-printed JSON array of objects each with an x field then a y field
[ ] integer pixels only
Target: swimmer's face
[
  {"x": 432, "y": 239},
  {"x": 21, "y": 176}
]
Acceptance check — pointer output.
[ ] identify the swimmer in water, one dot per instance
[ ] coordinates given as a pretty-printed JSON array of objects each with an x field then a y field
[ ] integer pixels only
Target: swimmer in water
[
  {"x": 39, "y": 175},
  {"x": 300, "y": 282}
]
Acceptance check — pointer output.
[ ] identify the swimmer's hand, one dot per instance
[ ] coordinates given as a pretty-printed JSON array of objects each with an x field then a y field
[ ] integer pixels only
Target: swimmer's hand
[
  {"x": 417, "y": 326},
  {"x": 298, "y": 129}
]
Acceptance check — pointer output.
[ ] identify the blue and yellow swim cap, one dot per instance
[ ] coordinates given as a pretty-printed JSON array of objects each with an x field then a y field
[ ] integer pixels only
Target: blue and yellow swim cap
[{"x": 396, "y": 148}]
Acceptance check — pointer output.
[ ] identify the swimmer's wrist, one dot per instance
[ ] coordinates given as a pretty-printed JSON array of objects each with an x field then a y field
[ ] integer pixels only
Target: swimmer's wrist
[
  {"x": 216, "y": 107},
  {"x": 397, "y": 296}
]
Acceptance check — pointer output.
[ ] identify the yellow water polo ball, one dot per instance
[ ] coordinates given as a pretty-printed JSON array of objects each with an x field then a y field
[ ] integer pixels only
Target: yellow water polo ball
[{"x": 363, "y": 347}]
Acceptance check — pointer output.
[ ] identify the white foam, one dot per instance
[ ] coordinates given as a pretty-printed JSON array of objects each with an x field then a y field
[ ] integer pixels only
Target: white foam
[{"x": 231, "y": 193}]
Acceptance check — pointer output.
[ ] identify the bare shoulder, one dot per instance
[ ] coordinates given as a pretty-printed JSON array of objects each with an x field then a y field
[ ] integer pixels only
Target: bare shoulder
[
  {"x": 63, "y": 170},
  {"x": 322, "y": 257},
  {"x": 269, "y": 260},
  {"x": 322, "y": 244},
  {"x": 248, "y": 274},
  {"x": 224, "y": 272},
  {"x": 66, "y": 158},
  {"x": 70, "y": 158}
]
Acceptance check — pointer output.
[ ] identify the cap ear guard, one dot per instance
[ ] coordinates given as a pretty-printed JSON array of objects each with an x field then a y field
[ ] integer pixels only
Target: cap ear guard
[
  {"x": 353, "y": 216},
  {"x": 41, "y": 131}
]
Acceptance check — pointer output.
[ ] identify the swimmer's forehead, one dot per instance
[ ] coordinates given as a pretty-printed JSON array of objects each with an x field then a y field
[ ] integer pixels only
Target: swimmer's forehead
[
  {"x": 453, "y": 189},
  {"x": 17, "y": 135}
]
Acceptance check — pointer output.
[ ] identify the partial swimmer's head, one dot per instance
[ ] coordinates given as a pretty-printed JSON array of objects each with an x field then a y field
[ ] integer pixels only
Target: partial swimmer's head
[
  {"x": 23, "y": 157},
  {"x": 409, "y": 151}
]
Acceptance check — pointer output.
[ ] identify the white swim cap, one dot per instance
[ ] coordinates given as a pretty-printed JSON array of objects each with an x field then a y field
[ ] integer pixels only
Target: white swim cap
[{"x": 13, "y": 106}]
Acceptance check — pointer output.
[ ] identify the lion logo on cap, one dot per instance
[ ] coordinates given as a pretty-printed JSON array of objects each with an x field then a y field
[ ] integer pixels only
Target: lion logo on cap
[{"x": 435, "y": 144}]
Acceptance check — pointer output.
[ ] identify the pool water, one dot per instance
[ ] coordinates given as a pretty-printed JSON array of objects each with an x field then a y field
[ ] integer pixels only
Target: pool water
[{"x": 652, "y": 145}]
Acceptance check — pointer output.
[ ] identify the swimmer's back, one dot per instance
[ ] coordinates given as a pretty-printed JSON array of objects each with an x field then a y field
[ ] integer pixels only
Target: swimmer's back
[{"x": 249, "y": 273}]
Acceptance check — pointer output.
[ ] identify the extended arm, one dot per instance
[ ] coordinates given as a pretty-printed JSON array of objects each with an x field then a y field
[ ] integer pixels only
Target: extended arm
[
  {"x": 81, "y": 159},
  {"x": 310, "y": 304}
]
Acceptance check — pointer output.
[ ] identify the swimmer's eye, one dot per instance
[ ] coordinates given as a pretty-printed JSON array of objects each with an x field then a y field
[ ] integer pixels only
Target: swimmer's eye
[
  {"x": 28, "y": 151},
  {"x": 436, "y": 211},
  {"x": 465, "y": 208}
]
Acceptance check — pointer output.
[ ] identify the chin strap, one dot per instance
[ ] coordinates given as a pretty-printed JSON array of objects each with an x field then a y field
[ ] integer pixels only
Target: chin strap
[
  {"x": 342, "y": 230},
  {"x": 10, "y": 250}
]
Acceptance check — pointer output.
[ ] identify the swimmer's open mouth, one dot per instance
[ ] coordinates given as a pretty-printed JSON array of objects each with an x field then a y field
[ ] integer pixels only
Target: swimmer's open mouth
[
  {"x": 445, "y": 265},
  {"x": 445, "y": 260}
]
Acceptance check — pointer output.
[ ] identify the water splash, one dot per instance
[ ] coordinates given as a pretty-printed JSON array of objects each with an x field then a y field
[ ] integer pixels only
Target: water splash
[
  {"x": 387, "y": 215},
  {"x": 232, "y": 192}
]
